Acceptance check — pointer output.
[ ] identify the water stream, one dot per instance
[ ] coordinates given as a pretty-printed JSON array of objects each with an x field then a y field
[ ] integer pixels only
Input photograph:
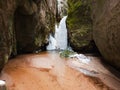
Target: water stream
[{"x": 59, "y": 42}]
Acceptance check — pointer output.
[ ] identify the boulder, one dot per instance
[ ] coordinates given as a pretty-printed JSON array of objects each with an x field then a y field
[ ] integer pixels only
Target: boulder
[
  {"x": 32, "y": 28},
  {"x": 79, "y": 25},
  {"x": 106, "y": 33}
]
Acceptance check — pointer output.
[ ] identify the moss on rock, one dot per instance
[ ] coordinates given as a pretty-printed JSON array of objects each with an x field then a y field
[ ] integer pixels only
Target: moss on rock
[
  {"x": 35, "y": 27},
  {"x": 79, "y": 24}
]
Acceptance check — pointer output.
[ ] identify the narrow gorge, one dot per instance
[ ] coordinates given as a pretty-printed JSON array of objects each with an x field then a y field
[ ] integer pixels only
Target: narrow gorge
[{"x": 59, "y": 45}]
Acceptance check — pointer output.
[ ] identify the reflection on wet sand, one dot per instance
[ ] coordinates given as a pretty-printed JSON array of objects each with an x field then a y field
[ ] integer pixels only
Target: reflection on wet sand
[{"x": 47, "y": 71}]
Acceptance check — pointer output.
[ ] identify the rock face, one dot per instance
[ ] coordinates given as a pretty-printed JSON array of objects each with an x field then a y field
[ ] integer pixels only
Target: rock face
[
  {"x": 32, "y": 30},
  {"x": 24, "y": 25},
  {"x": 62, "y": 8},
  {"x": 106, "y": 17},
  {"x": 7, "y": 8},
  {"x": 79, "y": 24},
  {"x": 106, "y": 25}
]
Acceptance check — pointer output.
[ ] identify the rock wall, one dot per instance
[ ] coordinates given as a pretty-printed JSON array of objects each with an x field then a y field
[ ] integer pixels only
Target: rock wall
[
  {"x": 62, "y": 8},
  {"x": 24, "y": 26},
  {"x": 99, "y": 21},
  {"x": 106, "y": 17},
  {"x": 35, "y": 27},
  {"x": 7, "y": 8},
  {"x": 79, "y": 25}
]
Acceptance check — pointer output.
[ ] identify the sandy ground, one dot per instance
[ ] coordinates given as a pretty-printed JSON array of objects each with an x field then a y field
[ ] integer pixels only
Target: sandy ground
[{"x": 47, "y": 71}]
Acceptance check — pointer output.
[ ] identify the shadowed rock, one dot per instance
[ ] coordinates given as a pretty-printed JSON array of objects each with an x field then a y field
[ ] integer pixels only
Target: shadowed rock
[
  {"x": 79, "y": 24},
  {"x": 24, "y": 26},
  {"x": 106, "y": 17}
]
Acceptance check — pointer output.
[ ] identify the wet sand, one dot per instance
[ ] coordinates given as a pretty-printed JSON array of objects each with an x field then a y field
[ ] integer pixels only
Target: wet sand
[{"x": 47, "y": 71}]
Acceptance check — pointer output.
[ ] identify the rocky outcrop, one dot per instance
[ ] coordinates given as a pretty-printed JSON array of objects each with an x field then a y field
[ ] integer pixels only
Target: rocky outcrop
[
  {"x": 7, "y": 40},
  {"x": 32, "y": 30},
  {"x": 106, "y": 17},
  {"x": 24, "y": 26},
  {"x": 79, "y": 24},
  {"x": 106, "y": 24},
  {"x": 62, "y": 8}
]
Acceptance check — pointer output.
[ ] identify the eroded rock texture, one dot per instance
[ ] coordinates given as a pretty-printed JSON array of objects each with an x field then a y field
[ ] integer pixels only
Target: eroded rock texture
[
  {"x": 106, "y": 25},
  {"x": 79, "y": 24},
  {"x": 24, "y": 26},
  {"x": 106, "y": 17},
  {"x": 32, "y": 30},
  {"x": 7, "y": 8},
  {"x": 62, "y": 8}
]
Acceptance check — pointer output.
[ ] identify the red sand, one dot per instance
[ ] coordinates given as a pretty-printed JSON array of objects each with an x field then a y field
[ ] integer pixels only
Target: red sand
[{"x": 46, "y": 71}]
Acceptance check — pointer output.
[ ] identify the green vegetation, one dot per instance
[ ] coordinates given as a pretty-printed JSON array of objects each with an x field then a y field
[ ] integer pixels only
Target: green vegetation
[
  {"x": 79, "y": 13},
  {"x": 79, "y": 23},
  {"x": 66, "y": 53}
]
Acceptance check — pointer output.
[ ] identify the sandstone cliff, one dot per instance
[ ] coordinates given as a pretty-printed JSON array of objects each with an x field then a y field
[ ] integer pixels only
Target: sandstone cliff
[
  {"x": 97, "y": 20},
  {"x": 24, "y": 26},
  {"x": 79, "y": 24},
  {"x": 106, "y": 18}
]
